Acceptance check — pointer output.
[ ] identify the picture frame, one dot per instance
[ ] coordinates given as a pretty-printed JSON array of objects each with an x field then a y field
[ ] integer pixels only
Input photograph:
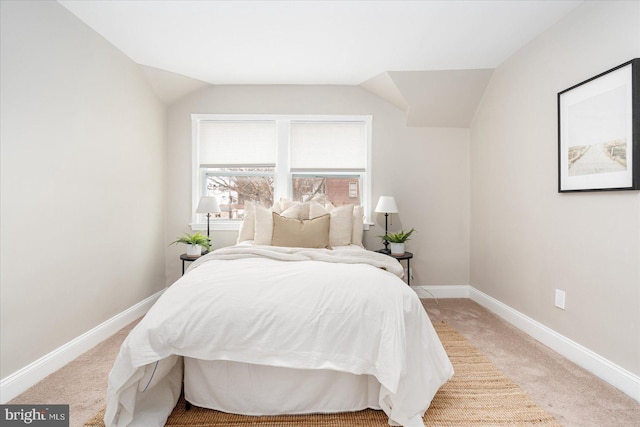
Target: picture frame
[{"x": 599, "y": 132}]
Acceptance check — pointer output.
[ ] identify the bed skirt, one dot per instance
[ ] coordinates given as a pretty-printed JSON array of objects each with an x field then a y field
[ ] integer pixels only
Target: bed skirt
[{"x": 249, "y": 389}]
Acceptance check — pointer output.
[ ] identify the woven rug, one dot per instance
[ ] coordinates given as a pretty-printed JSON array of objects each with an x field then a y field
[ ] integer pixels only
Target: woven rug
[{"x": 478, "y": 395}]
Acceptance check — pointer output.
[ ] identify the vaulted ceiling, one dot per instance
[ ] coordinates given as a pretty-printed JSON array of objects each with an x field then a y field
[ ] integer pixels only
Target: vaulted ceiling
[{"x": 431, "y": 59}]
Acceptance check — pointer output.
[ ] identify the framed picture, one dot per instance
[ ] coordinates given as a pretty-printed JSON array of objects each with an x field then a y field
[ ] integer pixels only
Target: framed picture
[{"x": 599, "y": 132}]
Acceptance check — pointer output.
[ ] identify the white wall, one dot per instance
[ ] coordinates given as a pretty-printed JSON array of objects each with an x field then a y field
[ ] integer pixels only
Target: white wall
[
  {"x": 82, "y": 196},
  {"x": 426, "y": 169},
  {"x": 528, "y": 240}
]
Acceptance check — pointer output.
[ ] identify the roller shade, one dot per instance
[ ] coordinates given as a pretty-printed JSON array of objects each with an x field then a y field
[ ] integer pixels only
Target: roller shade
[
  {"x": 328, "y": 146},
  {"x": 237, "y": 143}
]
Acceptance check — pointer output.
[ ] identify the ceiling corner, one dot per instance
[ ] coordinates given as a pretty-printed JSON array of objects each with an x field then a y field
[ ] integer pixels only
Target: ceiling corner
[
  {"x": 442, "y": 98},
  {"x": 384, "y": 87},
  {"x": 170, "y": 86}
]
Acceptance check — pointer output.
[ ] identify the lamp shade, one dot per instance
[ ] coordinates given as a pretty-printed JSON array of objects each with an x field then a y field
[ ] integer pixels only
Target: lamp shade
[
  {"x": 386, "y": 204},
  {"x": 207, "y": 205}
]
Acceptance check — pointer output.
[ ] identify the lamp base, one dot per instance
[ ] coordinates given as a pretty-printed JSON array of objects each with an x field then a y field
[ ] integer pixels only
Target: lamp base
[{"x": 384, "y": 251}]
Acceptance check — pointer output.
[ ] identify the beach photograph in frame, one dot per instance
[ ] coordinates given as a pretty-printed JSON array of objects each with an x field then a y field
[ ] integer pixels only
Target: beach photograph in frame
[{"x": 599, "y": 132}]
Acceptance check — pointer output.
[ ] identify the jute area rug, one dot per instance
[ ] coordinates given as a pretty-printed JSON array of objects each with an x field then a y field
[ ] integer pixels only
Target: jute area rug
[{"x": 478, "y": 395}]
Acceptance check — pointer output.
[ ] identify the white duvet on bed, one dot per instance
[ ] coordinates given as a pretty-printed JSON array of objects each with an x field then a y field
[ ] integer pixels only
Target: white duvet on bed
[{"x": 343, "y": 310}]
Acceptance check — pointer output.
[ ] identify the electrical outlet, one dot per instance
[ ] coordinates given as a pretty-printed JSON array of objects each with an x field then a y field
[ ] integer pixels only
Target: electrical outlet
[{"x": 560, "y": 297}]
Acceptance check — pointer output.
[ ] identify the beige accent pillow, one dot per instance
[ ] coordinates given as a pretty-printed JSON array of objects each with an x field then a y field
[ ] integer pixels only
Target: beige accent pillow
[
  {"x": 248, "y": 225},
  {"x": 264, "y": 226},
  {"x": 357, "y": 227},
  {"x": 308, "y": 233},
  {"x": 341, "y": 225}
]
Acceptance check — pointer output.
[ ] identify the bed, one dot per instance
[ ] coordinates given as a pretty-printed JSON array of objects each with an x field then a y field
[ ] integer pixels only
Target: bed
[{"x": 264, "y": 329}]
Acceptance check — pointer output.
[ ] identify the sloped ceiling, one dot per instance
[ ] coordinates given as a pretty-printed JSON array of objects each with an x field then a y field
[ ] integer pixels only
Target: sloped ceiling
[
  {"x": 443, "y": 98},
  {"x": 396, "y": 49}
]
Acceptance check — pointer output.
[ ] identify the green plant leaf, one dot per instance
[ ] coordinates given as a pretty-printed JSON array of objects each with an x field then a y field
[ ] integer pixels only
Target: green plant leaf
[
  {"x": 400, "y": 237},
  {"x": 194, "y": 239}
]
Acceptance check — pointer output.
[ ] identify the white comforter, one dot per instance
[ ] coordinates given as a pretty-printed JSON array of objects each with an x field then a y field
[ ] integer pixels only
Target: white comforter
[{"x": 344, "y": 310}]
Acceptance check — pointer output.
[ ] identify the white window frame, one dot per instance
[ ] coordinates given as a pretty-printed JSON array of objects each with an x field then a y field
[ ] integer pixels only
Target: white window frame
[{"x": 283, "y": 173}]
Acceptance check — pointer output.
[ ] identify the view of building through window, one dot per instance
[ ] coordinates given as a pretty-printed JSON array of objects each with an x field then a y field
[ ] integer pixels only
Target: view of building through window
[
  {"x": 339, "y": 190},
  {"x": 233, "y": 187}
]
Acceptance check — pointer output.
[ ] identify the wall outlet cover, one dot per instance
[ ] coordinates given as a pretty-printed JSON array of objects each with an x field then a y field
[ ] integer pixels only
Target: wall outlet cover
[{"x": 560, "y": 297}]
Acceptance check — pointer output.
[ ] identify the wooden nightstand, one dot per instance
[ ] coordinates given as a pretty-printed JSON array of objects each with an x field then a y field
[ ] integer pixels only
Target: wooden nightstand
[{"x": 404, "y": 257}]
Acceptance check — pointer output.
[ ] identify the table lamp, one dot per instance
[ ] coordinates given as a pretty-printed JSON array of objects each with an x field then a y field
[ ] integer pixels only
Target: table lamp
[
  {"x": 208, "y": 205},
  {"x": 386, "y": 205}
]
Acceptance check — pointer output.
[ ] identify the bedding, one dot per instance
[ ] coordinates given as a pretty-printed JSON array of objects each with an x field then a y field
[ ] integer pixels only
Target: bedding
[{"x": 339, "y": 315}]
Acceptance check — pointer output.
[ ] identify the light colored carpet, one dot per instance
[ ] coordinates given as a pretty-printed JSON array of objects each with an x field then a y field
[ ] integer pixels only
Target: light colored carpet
[
  {"x": 477, "y": 395},
  {"x": 572, "y": 395}
]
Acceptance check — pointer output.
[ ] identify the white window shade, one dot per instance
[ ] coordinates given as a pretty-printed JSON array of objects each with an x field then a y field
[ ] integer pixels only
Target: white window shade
[
  {"x": 237, "y": 143},
  {"x": 328, "y": 146}
]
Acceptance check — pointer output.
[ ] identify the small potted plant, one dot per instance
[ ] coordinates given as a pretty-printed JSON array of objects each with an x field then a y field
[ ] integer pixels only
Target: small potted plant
[
  {"x": 195, "y": 243},
  {"x": 397, "y": 241}
]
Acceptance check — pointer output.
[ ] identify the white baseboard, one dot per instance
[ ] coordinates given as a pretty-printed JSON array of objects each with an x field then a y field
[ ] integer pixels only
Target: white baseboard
[
  {"x": 604, "y": 369},
  {"x": 21, "y": 380},
  {"x": 599, "y": 366}
]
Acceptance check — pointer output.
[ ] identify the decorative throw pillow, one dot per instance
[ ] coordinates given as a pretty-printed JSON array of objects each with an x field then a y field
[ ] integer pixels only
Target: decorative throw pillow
[
  {"x": 276, "y": 207},
  {"x": 341, "y": 225},
  {"x": 292, "y": 211},
  {"x": 248, "y": 225},
  {"x": 264, "y": 226},
  {"x": 304, "y": 210},
  {"x": 341, "y": 229},
  {"x": 286, "y": 204},
  {"x": 358, "y": 224},
  {"x": 308, "y": 233},
  {"x": 316, "y": 210}
]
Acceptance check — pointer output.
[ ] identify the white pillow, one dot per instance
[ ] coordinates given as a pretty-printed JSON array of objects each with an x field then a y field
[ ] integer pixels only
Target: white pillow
[
  {"x": 316, "y": 210},
  {"x": 304, "y": 211},
  {"x": 292, "y": 211},
  {"x": 264, "y": 226},
  {"x": 286, "y": 204},
  {"x": 346, "y": 222},
  {"x": 357, "y": 227},
  {"x": 341, "y": 225},
  {"x": 248, "y": 225}
]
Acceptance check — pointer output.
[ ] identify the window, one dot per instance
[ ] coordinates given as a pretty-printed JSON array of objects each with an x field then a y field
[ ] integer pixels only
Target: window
[
  {"x": 262, "y": 158},
  {"x": 234, "y": 186},
  {"x": 339, "y": 189}
]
